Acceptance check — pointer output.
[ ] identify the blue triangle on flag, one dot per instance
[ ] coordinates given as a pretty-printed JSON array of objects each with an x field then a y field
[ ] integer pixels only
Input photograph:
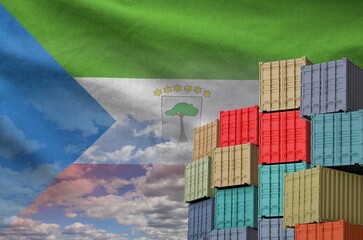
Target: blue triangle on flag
[{"x": 47, "y": 120}]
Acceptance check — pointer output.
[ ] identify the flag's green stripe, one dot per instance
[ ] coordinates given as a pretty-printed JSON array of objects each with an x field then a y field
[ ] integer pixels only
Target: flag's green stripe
[{"x": 189, "y": 38}]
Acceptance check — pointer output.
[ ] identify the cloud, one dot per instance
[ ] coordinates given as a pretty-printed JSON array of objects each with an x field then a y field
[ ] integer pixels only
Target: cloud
[
  {"x": 81, "y": 231},
  {"x": 28, "y": 229},
  {"x": 153, "y": 206},
  {"x": 25, "y": 185},
  {"x": 95, "y": 155},
  {"x": 150, "y": 129},
  {"x": 63, "y": 193},
  {"x": 13, "y": 141}
]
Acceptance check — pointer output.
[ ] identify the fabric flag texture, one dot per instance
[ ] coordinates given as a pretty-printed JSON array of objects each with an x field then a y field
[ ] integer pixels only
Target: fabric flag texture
[{"x": 89, "y": 145}]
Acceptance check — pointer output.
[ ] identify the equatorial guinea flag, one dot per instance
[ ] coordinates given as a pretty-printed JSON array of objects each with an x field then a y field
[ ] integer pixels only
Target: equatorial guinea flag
[{"x": 90, "y": 147}]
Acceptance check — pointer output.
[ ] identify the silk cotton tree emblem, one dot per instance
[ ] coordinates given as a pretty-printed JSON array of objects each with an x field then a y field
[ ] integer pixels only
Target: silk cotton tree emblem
[{"x": 181, "y": 110}]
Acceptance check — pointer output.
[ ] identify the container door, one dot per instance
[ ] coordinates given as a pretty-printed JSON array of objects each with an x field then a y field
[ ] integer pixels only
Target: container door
[
  {"x": 324, "y": 88},
  {"x": 318, "y": 125},
  {"x": 239, "y": 208},
  {"x": 187, "y": 185},
  {"x": 237, "y": 167},
  {"x": 226, "y": 159},
  {"x": 264, "y": 189},
  {"x": 220, "y": 205},
  {"x": 229, "y": 208},
  {"x": 340, "y": 85},
  {"x": 233, "y": 150},
  {"x": 337, "y": 157},
  {"x": 357, "y": 123},
  {"x": 265, "y": 86},
  {"x": 329, "y": 145},
  {"x": 306, "y": 90},
  {"x": 224, "y": 129},
  {"x": 217, "y": 167},
  {"x": 317, "y": 91},
  {"x": 356, "y": 138}
]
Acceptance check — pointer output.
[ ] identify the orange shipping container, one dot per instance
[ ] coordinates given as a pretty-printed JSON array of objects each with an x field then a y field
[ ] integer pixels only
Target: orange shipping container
[
  {"x": 235, "y": 165},
  {"x": 340, "y": 230},
  {"x": 205, "y": 140}
]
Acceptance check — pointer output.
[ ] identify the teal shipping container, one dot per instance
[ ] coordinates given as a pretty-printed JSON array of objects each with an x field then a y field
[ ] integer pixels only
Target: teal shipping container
[
  {"x": 337, "y": 139},
  {"x": 271, "y": 187},
  {"x": 235, "y": 208}
]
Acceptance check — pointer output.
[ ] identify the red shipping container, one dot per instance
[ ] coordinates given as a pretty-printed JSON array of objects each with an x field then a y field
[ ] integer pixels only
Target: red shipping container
[
  {"x": 340, "y": 230},
  {"x": 238, "y": 126},
  {"x": 284, "y": 138}
]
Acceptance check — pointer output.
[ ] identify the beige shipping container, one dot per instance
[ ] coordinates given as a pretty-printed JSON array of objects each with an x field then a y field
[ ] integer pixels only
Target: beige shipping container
[
  {"x": 280, "y": 84},
  {"x": 235, "y": 165},
  {"x": 205, "y": 140},
  {"x": 323, "y": 195}
]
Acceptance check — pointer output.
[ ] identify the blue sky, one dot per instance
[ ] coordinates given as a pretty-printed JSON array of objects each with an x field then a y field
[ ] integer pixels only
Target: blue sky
[{"x": 46, "y": 118}]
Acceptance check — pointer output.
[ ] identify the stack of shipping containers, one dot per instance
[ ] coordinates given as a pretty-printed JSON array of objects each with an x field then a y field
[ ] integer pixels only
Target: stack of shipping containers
[
  {"x": 325, "y": 202},
  {"x": 251, "y": 169},
  {"x": 235, "y": 176},
  {"x": 284, "y": 142},
  {"x": 198, "y": 178}
]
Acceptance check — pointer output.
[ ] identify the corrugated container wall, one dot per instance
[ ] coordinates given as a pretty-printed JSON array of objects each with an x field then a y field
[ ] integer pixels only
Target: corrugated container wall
[
  {"x": 280, "y": 84},
  {"x": 331, "y": 87},
  {"x": 329, "y": 231},
  {"x": 235, "y": 208},
  {"x": 273, "y": 229},
  {"x": 198, "y": 180},
  {"x": 205, "y": 140},
  {"x": 238, "y": 126},
  {"x": 271, "y": 187},
  {"x": 322, "y": 195},
  {"x": 245, "y": 233},
  {"x": 200, "y": 219},
  {"x": 235, "y": 165},
  {"x": 284, "y": 138},
  {"x": 337, "y": 138}
]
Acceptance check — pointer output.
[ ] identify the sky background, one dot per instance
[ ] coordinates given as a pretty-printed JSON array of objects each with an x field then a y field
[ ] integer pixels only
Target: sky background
[{"x": 129, "y": 176}]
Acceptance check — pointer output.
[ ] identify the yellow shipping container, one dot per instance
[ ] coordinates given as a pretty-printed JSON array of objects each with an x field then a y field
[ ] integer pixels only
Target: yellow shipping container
[
  {"x": 280, "y": 84},
  {"x": 205, "y": 140},
  {"x": 323, "y": 195},
  {"x": 235, "y": 165}
]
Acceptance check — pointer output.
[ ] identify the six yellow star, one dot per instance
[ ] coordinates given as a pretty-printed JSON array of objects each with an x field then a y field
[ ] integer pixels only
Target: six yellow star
[
  {"x": 197, "y": 89},
  {"x": 177, "y": 88},
  {"x": 167, "y": 89},
  {"x": 187, "y": 88},
  {"x": 157, "y": 92},
  {"x": 206, "y": 93}
]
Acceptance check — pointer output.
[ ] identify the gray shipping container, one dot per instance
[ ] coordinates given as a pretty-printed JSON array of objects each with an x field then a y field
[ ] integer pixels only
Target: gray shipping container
[
  {"x": 244, "y": 233},
  {"x": 200, "y": 219},
  {"x": 331, "y": 87},
  {"x": 273, "y": 229}
]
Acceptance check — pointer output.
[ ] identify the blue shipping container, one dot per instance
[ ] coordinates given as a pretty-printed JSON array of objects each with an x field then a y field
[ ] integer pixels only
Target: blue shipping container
[
  {"x": 273, "y": 229},
  {"x": 235, "y": 208},
  {"x": 271, "y": 187},
  {"x": 331, "y": 87},
  {"x": 245, "y": 233},
  {"x": 337, "y": 139},
  {"x": 200, "y": 219}
]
